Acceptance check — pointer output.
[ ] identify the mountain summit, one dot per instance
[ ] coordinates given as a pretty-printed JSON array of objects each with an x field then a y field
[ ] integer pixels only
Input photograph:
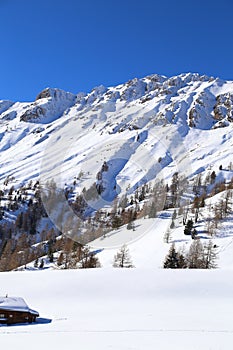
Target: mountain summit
[
  {"x": 113, "y": 155},
  {"x": 191, "y": 105}
]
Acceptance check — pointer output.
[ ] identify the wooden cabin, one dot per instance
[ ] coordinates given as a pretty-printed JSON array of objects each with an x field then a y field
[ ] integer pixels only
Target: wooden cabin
[{"x": 15, "y": 310}]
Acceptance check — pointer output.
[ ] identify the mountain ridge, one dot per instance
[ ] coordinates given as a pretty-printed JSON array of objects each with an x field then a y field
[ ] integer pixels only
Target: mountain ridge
[
  {"x": 58, "y": 101},
  {"x": 184, "y": 102},
  {"x": 109, "y": 145}
]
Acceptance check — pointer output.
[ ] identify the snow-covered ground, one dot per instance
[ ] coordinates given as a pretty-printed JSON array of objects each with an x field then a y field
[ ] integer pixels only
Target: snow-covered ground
[
  {"x": 148, "y": 245},
  {"x": 144, "y": 129},
  {"x": 123, "y": 309}
]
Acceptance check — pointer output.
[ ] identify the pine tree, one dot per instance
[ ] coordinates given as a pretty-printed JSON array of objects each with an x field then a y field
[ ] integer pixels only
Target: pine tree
[
  {"x": 131, "y": 225},
  {"x": 195, "y": 256},
  {"x": 174, "y": 188},
  {"x": 51, "y": 257},
  {"x": 36, "y": 263},
  {"x": 194, "y": 233},
  {"x": 60, "y": 259},
  {"x": 210, "y": 256},
  {"x": 172, "y": 225},
  {"x": 5, "y": 256},
  {"x": 122, "y": 258},
  {"x": 202, "y": 204},
  {"x": 172, "y": 259},
  {"x": 88, "y": 259},
  {"x": 167, "y": 236},
  {"x": 212, "y": 177},
  {"x": 188, "y": 227},
  {"x": 116, "y": 221},
  {"x": 174, "y": 215},
  {"x": 152, "y": 210},
  {"x": 182, "y": 262},
  {"x": 41, "y": 264},
  {"x": 50, "y": 252}
]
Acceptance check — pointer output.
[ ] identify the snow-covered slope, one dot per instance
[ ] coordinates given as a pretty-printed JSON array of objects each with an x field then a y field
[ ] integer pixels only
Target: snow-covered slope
[
  {"x": 148, "y": 246},
  {"x": 120, "y": 138},
  {"x": 131, "y": 125},
  {"x": 136, "y": 309},
  {"x": 141, "y": 131}
]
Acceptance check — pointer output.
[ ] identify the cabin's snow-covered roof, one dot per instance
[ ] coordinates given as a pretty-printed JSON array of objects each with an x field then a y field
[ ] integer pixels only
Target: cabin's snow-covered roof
[{"x": 15, "y": 304}]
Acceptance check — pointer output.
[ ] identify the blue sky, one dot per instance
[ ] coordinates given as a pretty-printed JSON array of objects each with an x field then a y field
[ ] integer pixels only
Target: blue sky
[{"x": 76, "y": 45}]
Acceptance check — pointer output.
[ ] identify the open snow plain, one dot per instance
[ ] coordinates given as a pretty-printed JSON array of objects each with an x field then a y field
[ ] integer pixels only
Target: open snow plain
[{"x": 122, "y": 309}]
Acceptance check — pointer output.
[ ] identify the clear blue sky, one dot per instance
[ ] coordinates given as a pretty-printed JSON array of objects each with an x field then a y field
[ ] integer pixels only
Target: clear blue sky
[{"x": 76, "y": 45}]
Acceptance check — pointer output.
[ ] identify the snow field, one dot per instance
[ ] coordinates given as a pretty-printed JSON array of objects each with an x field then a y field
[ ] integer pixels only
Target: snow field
[{"x": 123, "y": 309}]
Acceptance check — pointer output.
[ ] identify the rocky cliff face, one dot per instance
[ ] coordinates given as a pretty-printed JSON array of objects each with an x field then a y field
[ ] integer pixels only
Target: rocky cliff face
[
  {"x": 106, "y": 122},
  {"x": 203, "y": 101}
]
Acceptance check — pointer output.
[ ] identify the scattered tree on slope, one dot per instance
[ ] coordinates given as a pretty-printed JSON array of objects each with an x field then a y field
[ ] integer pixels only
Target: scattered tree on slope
[
  {"x": 198, "y": 257},
  {"x": 122, "y": 258},
  {"x": 174, "y": 259}
]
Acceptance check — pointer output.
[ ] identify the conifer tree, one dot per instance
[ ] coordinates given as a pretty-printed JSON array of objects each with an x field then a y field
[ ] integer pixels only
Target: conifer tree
[
  {"x": 195, "y": 256},
  {"x": 212, "y": 177},
  {"x": 210, "y": 256},
  {"x": 167, "y": 236},
  {"x": 41, "y": 264},
  {"x": 152, "y": 210},
  {"x": 60, "y": 259},
  {"x": 194, "y": 233},
  {"x": 172, "y": 259},
  {"x": 122, "y": 258},
  {"x": 188, "y": 227},
  {"x": 36, "y": 263},
  {"x": 88, "y": 259}
]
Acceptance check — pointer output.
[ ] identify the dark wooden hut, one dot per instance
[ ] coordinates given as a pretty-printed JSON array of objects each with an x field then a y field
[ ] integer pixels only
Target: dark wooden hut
[{"x": 15, "y": 310}]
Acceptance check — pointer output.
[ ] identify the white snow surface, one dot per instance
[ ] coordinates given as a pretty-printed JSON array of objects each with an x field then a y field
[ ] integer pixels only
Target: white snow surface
[
  {"x": 138, "y": 122},
  {"x": 123, "y": 309},
  {"x": 130, "y": 126}
]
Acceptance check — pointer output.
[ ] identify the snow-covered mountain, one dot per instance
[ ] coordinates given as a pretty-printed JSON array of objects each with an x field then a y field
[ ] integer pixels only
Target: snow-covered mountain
[
  {"x": 123, "y": 142},
  {"x": 132, "y": 125},
  {"x": 118, "y": 138}
]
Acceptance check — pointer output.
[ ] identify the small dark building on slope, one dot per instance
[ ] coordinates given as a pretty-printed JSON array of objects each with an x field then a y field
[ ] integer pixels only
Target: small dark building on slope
[{"x": 15, "y": 310}]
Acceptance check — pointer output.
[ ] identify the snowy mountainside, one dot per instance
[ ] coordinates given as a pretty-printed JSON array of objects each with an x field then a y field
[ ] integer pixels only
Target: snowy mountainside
[
  {"x": 107, "y": 122},
  {"x": 112, "y": 141},
  {"x": 151, "y": 239}
]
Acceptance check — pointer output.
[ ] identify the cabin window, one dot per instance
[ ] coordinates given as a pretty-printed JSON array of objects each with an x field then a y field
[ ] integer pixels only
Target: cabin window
[
  {"x": 11, "y": 315},
  {"x": 2, "y": 315}
]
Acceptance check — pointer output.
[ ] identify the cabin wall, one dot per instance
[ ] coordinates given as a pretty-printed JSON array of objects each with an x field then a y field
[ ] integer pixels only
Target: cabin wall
[{"x": 11, "y": 317}]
